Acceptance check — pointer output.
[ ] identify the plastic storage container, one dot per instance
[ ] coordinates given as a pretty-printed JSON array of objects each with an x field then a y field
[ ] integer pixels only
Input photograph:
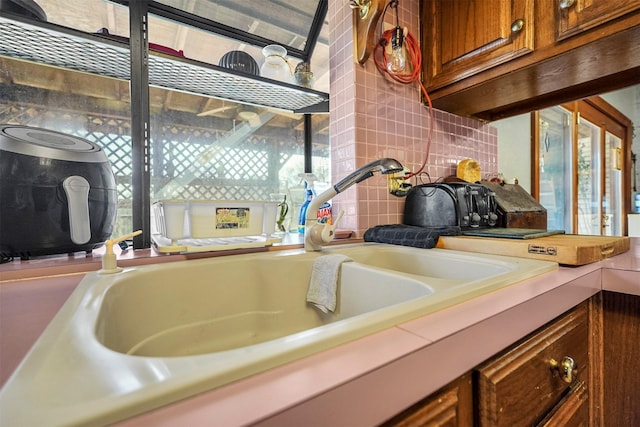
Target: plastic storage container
[
  {"x": 201, "y": 225},
  {"x": 170, "y": 218},
  {"x": 230, "y": 218}
]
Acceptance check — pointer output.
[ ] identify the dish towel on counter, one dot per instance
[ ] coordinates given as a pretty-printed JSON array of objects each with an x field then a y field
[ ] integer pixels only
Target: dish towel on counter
[
  {"x": 409, "y": 235},
  {"x": 323, "y": 285}
]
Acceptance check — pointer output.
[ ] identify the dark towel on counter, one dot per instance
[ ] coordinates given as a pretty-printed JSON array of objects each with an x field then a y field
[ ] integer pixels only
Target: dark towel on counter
[{"x": 409, "y": 235}]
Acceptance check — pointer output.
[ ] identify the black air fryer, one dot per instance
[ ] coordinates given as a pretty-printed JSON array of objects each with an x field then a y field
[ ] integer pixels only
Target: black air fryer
[{"x": 57, "y": 193}]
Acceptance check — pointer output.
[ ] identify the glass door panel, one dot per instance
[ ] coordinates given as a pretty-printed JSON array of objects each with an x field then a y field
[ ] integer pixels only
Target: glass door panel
[
  {"x": 581, "y": 152},
  {"x": 612, "y": 214},
  {"x": 588, "y": 171},
  {"x": 555, "y": 167}
]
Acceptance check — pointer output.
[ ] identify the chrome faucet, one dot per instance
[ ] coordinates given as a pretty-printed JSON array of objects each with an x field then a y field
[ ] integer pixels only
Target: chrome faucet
[{"x": 315, "y": 234}]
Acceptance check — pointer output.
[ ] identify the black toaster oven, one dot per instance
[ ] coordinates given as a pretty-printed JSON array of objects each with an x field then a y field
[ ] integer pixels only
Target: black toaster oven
[{"x": 451, "y": 204}]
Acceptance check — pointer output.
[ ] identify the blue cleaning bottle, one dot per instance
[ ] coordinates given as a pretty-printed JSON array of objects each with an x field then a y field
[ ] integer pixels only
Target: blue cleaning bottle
[
  {"x": 302, "y": 216},
  {"x": 324, "y": 211}
]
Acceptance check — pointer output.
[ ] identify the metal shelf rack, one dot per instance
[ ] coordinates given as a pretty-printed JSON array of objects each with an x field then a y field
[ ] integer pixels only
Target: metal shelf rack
[{"x": 58, "y": 46}]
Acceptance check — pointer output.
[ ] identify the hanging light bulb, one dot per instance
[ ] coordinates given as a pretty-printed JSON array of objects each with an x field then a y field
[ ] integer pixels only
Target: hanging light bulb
[{"x": 397, "y": 62}]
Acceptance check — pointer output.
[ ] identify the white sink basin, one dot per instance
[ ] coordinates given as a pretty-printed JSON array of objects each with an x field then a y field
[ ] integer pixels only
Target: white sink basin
[
  {"x": 212, "y": 306},
  {"x": 129, "y": 342},
  {"x": 436, "y": 267}
]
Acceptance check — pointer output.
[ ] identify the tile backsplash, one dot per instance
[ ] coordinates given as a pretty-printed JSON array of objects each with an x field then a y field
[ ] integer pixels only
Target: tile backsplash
[{"x": 373, "y": 117}]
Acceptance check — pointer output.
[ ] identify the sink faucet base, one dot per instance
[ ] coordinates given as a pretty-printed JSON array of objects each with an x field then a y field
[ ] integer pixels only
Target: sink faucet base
[{"x": 317, "y": 235}]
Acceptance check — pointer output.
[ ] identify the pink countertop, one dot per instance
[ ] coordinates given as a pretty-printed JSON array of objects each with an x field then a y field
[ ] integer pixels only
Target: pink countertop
[
  {"x": 366, "y": 381},
  {"x": 82, "y": 262},
  {"x": 369, "y": 380}
]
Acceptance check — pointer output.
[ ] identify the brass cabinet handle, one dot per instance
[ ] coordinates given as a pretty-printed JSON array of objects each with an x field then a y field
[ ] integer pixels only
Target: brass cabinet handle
[
  {"x": 363, "y": 7},
  {"x": 517, "y": 25},
  {"x": 566, "y": 4},
  {"x": 567, "y": 368}
]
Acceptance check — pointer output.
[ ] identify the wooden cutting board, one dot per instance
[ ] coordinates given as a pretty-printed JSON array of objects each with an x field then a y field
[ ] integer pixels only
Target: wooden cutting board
[
  {"x": 511, "y": 233},
  {"x": 570, "y": 249}
]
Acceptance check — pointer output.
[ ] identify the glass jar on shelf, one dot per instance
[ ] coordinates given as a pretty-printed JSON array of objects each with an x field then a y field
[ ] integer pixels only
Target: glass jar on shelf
[{"x": 275, "y": 64}]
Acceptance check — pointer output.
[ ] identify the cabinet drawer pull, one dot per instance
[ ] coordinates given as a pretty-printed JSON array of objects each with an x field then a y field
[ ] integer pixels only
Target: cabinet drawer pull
[
  {"x": 567, "y": 368},
  {"x": 517, "y": 25},
  {"x": 566, "y": 4}
]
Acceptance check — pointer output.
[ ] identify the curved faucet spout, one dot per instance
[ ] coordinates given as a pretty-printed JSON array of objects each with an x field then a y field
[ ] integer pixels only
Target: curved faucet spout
[
  {"x": 384, "y": 166},
  {"x": 314, "y": 238}
]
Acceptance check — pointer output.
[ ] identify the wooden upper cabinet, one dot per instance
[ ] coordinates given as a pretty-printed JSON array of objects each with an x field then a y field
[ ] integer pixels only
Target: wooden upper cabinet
[
  {"x": 473, "y": 35},
  {"x": 576, "y": 16},
  {"x": 492, "y": 59}
]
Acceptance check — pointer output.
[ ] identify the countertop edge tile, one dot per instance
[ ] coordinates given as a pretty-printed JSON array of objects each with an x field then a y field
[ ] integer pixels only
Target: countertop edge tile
[
  {"x": 366, "y": 405},
  {"x": 279, "y": 389},
  {"x": 426, "y": 370},
  {"x": 363, "y": 369},
  {"x": 624, "y": 281},
  {"x": 448, "y": 321}
]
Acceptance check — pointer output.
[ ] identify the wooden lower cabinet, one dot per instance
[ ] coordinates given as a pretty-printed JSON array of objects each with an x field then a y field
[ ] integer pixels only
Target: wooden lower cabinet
[
  {"x": 542, "y": 380},
  {"x": 572, "y": 410},
  {"x": 523, "y": 384},
  {"x": 450, "y": 406},
  {"x": 620, "y": 371}
]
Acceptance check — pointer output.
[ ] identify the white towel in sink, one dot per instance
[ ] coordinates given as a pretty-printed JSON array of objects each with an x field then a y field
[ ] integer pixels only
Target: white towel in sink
[{"x": 324, "y": 281}]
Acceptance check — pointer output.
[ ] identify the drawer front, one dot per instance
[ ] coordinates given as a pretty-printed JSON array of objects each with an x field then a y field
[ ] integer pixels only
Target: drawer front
[
  {"x": 520, "y": 386},
  {"x": 451, "y": 406},
  {"x": 572, "y": 411}
]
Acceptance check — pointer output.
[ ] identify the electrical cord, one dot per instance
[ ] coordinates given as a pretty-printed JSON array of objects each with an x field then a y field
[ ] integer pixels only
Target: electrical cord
[
  {"x": 412, "y": 76},
  {"x": 413, "y": 52}
]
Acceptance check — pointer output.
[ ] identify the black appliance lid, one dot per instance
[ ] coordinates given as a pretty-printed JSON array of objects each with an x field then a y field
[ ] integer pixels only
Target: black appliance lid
[{"x": 50, "y": 144}]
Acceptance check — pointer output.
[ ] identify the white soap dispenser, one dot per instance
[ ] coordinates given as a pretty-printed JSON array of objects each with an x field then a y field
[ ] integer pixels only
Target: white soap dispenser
[{"x": 109, "y": 261}]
